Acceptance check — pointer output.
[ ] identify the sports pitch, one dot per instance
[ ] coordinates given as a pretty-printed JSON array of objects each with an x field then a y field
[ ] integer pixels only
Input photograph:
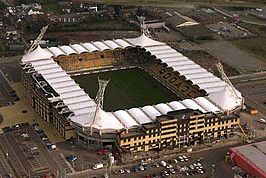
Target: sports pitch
[{"x": 127, "y": 89}]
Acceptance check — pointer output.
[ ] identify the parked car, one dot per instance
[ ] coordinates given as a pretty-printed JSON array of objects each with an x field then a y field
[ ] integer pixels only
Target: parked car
[
  {"x": 127, "y": 171},
  {"x": 163, "y": 163},
  {"x": 263, "y": 121},
  {"x": 141, "y": 168},
  {"x": 72, "y": 158},
  {"x": 175, "y": 161},
  {"x": 101, "y": 152},
  {"x": 51, "y": 146},
  {"x": 172, "y": 171},
  {"x": 166, "y": 173},
  {"x": 185, "y": 158},
  {"x": 181, "y": 159},
  {"x": 156, "y": 165},
  {"x": 169, "y": 166},
  {"x": 97, "y": 166}
]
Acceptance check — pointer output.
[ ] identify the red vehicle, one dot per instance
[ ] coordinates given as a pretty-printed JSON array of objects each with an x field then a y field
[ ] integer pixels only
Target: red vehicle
[{"x": 101, "y": 152}]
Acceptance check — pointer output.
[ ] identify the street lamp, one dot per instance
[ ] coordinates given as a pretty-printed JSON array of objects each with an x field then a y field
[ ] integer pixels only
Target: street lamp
[{"x": 213, "y": 170}]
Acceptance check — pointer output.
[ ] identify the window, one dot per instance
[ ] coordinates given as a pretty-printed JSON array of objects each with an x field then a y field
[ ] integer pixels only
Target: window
[
  {"x": 200, "y": 127},
  {"x": 102, "y": 56},
  {"x": 80, "y": 59}
]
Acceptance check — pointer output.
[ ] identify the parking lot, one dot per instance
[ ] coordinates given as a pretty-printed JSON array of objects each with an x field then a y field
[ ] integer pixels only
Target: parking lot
[
  {"x": 230, "y": 30},
  {"x": 181, "y": 169},
  {"x": 27, "y": 152}
]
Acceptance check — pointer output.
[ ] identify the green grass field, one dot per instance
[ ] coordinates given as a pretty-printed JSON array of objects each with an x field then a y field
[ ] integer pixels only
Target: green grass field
[{"x": 127, "y": 89}]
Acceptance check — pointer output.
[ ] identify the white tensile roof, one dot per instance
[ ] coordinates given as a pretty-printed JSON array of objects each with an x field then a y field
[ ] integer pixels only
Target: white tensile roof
[
  {"x": 143, "y": 41},
  {"x": 38, "y": 53},
  {"x": 220, "y": 96}
]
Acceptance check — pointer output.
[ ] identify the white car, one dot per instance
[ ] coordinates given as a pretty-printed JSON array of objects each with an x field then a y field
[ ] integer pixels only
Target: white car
[
  {"x": 121, "y": 171},
  {"x": 166, "y": 173},
  {"x": 127, "y": 171},
  {"x": 169, "y": 166},
  {"x": 175, "y": 160},
  {"x": 185, "y": 158},
  {"x": 156, "y": 165},
  {"x": 262, "y": 121},
  {"x": 172, "y": 171},
  {"x": 163, "y": 163},
  {"x": 180, "y": 158},
  {"x": 141, "y": 168},
  {"x": 191, "y": 167}
]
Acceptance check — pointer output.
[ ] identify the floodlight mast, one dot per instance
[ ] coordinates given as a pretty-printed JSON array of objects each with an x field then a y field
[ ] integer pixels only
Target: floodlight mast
[
  {"x": 226, "y": 79},
  {"x": 38, "y": 39},
  {"x": 99, "y": 100},
  {"x": 143, "y": 27}
]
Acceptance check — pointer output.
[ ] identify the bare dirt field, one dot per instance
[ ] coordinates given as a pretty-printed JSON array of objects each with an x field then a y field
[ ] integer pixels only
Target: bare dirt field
[{"x": 233, "y": 56}]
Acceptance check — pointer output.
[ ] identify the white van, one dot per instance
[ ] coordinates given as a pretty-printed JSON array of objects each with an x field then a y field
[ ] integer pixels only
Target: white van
[{"x": 97, "y": 166}]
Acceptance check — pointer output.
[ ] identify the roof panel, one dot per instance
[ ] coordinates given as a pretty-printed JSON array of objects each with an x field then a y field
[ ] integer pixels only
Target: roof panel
[
  {"x": 122, "y": 43},
  {"x": 101, "y": 45},
  {"x": 151, "y": 112},
  {"x": 68, "y": 50},
  {"x": 58, "y": 80},
  {"x": 206, "y": 104},
  {"x": 163, "y": 108},
  {"x": 80, "y": 49},
  {"x": 55, "y": 75},
  {"x": 186, "y": 67},
  {"x": 90, "y": 47},
  {"x": 161, "y": 52},
  {"x": 189, "y": 103},
  {"x": 56, "y": 51},
  {"x": 111, "y": 44},
  {"x": 177, "y": 105},
  {"x": 139, "y": 115},
  {"x": 125, "y": 118},
  {"x": 156, "y": 48}
]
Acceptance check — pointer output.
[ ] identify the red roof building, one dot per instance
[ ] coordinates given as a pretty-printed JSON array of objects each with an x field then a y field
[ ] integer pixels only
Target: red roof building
[{"x": 251, "y": 158}]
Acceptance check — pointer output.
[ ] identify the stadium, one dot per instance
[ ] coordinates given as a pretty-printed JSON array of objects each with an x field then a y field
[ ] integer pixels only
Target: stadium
[{"x": 157, "y": 97}]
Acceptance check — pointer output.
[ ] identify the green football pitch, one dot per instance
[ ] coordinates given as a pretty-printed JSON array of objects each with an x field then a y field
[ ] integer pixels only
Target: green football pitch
[{"x": 126, "y": 89}]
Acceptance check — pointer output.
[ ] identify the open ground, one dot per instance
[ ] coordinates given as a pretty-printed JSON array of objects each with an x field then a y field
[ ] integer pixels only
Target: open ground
[{"x": 127, "y": 88}]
